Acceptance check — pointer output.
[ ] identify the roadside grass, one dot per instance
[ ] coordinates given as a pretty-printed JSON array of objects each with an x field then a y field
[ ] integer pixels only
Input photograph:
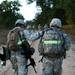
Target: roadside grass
[
  {"x": 3, "y": 36},
  {"x": 70, "y": 29}
]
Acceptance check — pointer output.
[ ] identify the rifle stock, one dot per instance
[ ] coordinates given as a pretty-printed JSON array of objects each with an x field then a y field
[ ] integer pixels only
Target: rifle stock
[{"x": 5, "y": 56}]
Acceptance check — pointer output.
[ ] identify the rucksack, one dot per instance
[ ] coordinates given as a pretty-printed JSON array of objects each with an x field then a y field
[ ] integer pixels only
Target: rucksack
[
  {"x": 51, "y": 42},
  {"x": 16, "y": 41},
  {"x": 12, "y": 39}
]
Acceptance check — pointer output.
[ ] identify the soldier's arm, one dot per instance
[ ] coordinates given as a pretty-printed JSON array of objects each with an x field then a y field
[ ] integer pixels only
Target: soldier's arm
[
  {"x": 36, "y": 36},
  {"x": 67, "y": 40}
]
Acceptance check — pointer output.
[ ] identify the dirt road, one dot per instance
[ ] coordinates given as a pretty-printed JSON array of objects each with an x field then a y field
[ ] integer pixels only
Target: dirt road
[{"x": 68, "y": 63}]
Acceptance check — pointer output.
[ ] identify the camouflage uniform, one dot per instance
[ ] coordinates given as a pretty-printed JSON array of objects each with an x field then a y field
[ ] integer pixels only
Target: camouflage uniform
[
  {"x": 18, "y": 60},
  {"x": 53, "y": 66},
  {"x": 28, "y": 33},
  {"x": 19, "y": 63}
]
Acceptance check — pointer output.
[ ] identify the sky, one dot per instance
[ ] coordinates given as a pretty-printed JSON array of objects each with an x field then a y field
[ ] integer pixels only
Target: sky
[{"x": 28, "y": 11}]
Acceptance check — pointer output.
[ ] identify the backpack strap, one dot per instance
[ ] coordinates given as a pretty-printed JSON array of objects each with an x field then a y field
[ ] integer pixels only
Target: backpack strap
[
  {"x": 64, "y": 53},
  {"x": 21, "y": 38},
  {"x": 64, "y": 46}
]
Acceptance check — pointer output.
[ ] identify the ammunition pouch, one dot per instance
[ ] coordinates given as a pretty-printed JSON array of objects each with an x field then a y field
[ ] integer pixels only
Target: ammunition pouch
[{"x": 55, "y": 55}]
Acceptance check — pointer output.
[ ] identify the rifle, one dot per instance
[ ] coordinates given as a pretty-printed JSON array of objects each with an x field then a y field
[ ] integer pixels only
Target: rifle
[
  {"x": 28, "y": 51},
  {"x": 32, "y": 63},
  {"x": 5, "y": 56}
]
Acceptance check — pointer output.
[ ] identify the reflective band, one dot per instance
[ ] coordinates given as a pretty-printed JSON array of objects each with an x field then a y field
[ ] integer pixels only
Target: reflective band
[
  {"x": 20, "y": 42},
  {"x": 52, "y": 42}
]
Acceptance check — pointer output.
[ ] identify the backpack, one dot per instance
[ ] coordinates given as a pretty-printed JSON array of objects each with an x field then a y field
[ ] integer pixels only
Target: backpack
[
  {"x": 12, "y": 39},
  {"x": 51, "y": 42},
  {"x": 16, "y": 41}
]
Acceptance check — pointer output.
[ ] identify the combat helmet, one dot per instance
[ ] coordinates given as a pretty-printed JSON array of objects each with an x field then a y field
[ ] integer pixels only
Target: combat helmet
[
  {"x": 56, "y": 22},
  {"x": 19, "y": 22}
]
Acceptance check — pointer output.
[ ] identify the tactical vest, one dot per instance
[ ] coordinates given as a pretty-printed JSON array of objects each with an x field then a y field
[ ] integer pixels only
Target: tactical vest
[
  {"x": 13, "y": 39},
  {"x": 51, "y": 42}
]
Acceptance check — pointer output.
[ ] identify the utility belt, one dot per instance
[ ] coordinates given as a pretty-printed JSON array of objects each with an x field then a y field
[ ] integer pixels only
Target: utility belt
[{"x": 54, "y": 55}]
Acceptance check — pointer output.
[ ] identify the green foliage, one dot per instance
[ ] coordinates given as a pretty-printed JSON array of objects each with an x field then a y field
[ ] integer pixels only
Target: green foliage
[
  {"x": 71, "y": 10},
  {"x": 69, "y": 7},
  {"x": 9, "y": 13},
  {"x": 63, "y": 9}
]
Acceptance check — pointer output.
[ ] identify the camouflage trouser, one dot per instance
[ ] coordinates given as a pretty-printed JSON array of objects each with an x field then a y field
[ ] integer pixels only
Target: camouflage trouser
[
  {"x": 19, "y": 63},
  {"x": 52, "y": 67}
]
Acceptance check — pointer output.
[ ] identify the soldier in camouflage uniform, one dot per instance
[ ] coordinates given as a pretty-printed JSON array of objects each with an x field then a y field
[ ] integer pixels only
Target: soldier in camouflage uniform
[
  {"x": 52, "y": 47},
  {"x": 52, "y": 53},
  {"x": 18, "y": 60}
]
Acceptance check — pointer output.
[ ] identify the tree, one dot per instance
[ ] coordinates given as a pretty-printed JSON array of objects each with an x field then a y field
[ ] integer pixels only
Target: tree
[
  {"x": 44, "y": 17},
  {"x": 63, "y": 9},
  {"x": 48, "y": 11},
  {"x": 9, "y": 13},
  {"x": 70, "y": 9}
]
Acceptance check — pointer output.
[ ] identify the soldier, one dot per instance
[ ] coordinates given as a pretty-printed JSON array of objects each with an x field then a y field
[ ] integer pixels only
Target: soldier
[
  {"x": 52, "y": 47},
  {"x": 18, "y": 60}
]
